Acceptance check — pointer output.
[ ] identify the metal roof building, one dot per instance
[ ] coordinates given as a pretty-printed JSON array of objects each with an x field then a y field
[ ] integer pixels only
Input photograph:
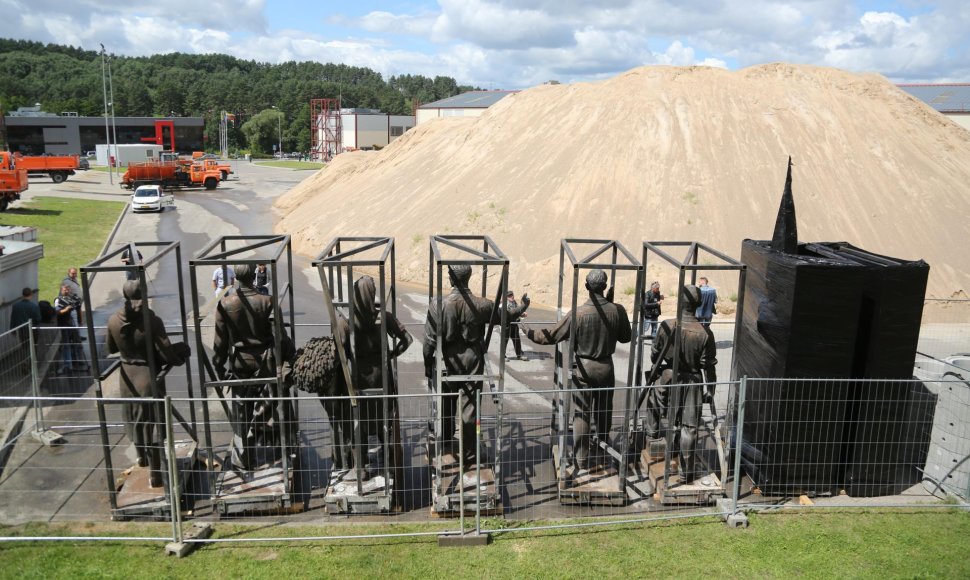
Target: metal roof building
[
  {"x": 953, "y": 100},
  {"x": 470, "y": 104}
]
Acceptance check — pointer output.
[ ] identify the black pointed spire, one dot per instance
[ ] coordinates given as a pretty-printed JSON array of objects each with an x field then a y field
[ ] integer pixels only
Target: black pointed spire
[{"x": 785, "y": 238}]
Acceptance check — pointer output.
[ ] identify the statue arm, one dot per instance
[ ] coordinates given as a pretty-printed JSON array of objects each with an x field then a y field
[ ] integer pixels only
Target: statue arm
[
  {"x": 545, "y": 336},
  {"x": 221, "y": 342},
  {"x": 623, "y": 334}
]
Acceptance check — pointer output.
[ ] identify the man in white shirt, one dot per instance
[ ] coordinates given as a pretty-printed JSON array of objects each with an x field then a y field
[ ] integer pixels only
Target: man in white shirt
[{"x": 218, "y": 282}]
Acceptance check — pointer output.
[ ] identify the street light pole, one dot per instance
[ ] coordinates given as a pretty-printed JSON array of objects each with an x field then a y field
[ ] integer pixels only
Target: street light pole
[
  {"x": 114, "y": 127},
  {"x": 107, "y": 135},
  {"x": 279, "y": 125}
]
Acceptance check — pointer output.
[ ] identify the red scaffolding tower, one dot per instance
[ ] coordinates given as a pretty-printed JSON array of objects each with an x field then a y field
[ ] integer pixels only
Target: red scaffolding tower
[{"x": 326, "y": 133}]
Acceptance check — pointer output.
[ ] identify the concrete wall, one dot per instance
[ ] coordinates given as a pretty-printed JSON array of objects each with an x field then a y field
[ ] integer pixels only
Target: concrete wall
[
  {"x": 18, "y": 270},
  {"x": 399, "y": 123}
]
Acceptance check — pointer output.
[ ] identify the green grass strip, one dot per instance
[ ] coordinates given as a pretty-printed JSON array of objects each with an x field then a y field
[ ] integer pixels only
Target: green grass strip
[{"x": 72, "y": 231}]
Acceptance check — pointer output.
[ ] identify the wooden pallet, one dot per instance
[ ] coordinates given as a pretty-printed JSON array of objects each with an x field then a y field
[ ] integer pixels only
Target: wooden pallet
[
  {"x": 445, "y": 477},
  {"x": 703, "y": 490},
  {"x": 137, "y": 499},
  {"x": 342, "y": 496},
  {"x": 601, "y": 487}
]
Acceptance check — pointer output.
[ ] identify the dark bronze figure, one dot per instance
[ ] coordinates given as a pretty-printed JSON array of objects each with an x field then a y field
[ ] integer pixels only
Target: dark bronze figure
[
  {"x": 128, "y": 336},
  {"x": 696, "y": 357},
  {"x": 460, "y": 327},
  {"x": 244, "y": 349},
  {"x": 600, "y": 324}
]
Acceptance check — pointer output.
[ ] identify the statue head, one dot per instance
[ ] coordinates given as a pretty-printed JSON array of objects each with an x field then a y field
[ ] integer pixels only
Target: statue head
[
  {"x": 365, "y": 300},
  {"x": 691, "y": 296},
  {"x": 459, "y": 275},
  {"x": 134, "y": 299},
  {"x": 596, "y": 281},
  {"x": 245, "y": 274}
]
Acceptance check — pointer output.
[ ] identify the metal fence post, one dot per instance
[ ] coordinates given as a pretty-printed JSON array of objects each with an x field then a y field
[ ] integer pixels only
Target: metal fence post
[
  {"x": 34, "y": 387},
  {"x": 461, "y": 469},
  {"x": 738, "y": 438},
  {"x": 173, "y": 480},
  {"x": 478, "y": 464}
]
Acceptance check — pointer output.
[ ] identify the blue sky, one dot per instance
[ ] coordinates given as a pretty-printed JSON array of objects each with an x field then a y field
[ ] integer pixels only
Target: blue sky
[{"x": 520, "y": 43}]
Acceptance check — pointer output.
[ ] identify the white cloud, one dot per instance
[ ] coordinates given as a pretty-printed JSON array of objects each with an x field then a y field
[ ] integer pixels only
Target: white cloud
[{"x": 517, "y": 43}]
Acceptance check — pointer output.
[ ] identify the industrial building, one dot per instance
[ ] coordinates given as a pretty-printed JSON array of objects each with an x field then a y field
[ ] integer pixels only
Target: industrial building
[
  {"x": 35, "y": 132},
  {"x": 336, "y": 129},
  {"x": 470, "y": 104},
  {"x": 953, "y": 100}
]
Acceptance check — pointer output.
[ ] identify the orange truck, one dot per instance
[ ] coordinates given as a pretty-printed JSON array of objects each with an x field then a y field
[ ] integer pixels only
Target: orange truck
[
  {"x": 13, "y": 181},
  {"x": 58, "y": 167},
  {"x": 169, "y": 174},
  {"x": 211, "y": 160}
]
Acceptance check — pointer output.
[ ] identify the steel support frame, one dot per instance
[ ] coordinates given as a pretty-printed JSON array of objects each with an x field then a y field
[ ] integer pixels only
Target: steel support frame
[
  {"x": 219, "y": 253},
  {"x": 326, "y": 130},
  {"x": 335, "y": 265},
  {"x": 621, "y": 259},
  {"x": 689, "y": 266},
  {"x": 466, "y": 245},
  {"x": 99, "y": 375}
]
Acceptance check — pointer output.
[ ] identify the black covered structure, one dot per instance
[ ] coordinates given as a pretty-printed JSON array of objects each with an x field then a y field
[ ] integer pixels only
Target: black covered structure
[{"x": 832, "y": 311}]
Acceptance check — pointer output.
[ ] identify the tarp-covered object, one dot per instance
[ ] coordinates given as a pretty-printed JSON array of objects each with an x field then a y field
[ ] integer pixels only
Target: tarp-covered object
[{"x": 832, "y": 311}]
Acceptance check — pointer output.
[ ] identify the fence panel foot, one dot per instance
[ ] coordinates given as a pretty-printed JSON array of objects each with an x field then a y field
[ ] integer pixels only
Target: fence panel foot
[
  {"x": 181, "y": 549},
  {"x": 473, "y": 539}
]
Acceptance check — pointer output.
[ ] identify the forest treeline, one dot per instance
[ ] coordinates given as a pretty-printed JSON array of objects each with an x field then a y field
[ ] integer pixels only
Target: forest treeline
[{"x": 64, "y": 78}]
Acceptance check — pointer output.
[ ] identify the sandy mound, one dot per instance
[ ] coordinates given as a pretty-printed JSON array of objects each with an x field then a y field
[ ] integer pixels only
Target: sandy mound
[{"x": 661, "y": 153}]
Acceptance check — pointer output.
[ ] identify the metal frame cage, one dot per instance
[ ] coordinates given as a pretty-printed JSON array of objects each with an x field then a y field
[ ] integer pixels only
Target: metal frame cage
[
  {"x": 690, "y": 265},
  {"x": 335, "y": 265},
  {"x": 445, "y": 482},
  {"x": 220, "y": 253},
  {"x": 135, "y": 501},
  {"x": 620, "y": 259}
]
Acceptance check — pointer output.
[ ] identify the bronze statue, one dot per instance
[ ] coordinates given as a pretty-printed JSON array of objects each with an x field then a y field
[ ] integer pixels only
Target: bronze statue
[
  {"x": 128, "y": 336},
  {"x": 461, "y": 328},
  {"x": 368, "y": 343},
  {"x": 697, "y": 356},
  {"x": 244, "y": 342},
  {"x": 600, "y": 325}
]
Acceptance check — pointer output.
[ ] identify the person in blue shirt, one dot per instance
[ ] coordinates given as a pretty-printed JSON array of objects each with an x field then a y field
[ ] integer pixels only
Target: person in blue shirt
[{"x": 708, "y": 306}]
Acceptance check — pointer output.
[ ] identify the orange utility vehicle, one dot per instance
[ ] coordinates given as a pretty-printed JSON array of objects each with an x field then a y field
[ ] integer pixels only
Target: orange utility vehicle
[
  {"x": 210, "y": 160},
  {"x": 58, "y": 167},
  {"x": 12, "y": 181},
  {"x": 169, "y": 174}
]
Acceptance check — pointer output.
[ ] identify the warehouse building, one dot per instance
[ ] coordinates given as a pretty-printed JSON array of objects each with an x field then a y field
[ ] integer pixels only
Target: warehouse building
[
  {"x": 470, "y": 104},
  {"x": 953, "y": 100},
  {"x": 34, "y": 132},
  {"x": 369, "y": 128}
]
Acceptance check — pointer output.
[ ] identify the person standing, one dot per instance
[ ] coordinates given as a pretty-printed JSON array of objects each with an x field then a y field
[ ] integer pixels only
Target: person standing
[
  {"x": 708, "y": 304},
  {"x": 651, "y": 308},
  {"x": 65, "y": 307},
  {"x": 516, "y": 314},
  {"x": 600, "y": 325},
  {"x": 460, "y": 326},
  {"x": 23, "y": 311},
  {"x": 696, "y": 356},
  {"x": 71, "y": 282},
  {"x": 219, "y": 278},
  {"x": 128, "y": 336},
  {"x": 263, "y": 279}
]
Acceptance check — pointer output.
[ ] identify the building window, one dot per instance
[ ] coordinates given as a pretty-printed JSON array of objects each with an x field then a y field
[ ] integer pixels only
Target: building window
[{"x": 397, "y": 131}]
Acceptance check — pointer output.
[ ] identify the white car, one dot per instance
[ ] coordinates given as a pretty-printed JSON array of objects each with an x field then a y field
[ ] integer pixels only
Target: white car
[{"x": 147, "y": 198}]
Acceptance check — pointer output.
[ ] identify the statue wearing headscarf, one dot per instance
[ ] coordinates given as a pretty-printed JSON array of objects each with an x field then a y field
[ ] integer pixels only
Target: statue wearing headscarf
[
  {"x": 368, "y": 344},
  {"x": 129, "y": 336}
]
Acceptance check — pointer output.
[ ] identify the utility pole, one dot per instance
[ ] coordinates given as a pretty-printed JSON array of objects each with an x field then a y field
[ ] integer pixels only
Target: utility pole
[
  {"x": 114, "y": 127},
  {"x": 107, "y": 135}
]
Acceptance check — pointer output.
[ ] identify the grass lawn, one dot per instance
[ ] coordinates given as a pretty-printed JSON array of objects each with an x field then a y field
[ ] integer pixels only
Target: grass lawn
[
  {"x": 292, "y": 164},
  {"x": 818, "y": 544},
  {"x": 72, "y": 231}
]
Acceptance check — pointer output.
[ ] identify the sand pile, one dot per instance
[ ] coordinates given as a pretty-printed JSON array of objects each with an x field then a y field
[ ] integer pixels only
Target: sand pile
[{"x": 661, "y": 153}]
